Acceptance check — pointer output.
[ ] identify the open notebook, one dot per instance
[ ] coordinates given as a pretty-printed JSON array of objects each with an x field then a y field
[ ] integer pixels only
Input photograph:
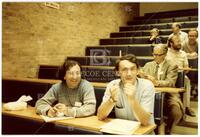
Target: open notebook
[
  {"x": 49, "y": 119},
  {"x": 121, "y": 127}
]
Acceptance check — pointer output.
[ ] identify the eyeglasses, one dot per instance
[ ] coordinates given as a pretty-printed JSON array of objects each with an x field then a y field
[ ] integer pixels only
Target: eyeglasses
[
  {"x": 73, "y": 73},
  {"x": 158, "y": 54}
]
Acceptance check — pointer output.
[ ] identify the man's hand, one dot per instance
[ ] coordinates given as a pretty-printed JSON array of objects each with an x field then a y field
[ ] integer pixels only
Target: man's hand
[
  {"x": 194, "y": 55},
  {"x": 60, "y": 108},
  {"x": 153, "y": 80},
  {"x": 129, "y": 90},
  {"x": 114, "y": 91},
  {"x": 142, "y": 74},
  {"x": 51, "y": 112}
]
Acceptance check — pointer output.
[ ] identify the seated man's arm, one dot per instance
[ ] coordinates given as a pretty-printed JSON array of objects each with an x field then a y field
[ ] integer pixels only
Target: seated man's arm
[
  {"x": 109, "y": 100},
  {"x": 45, "y": 103},
  {"x": 143, "y": 109},
  {"x": 170, "y": 80},
  {"x": 192, "y": 55}
]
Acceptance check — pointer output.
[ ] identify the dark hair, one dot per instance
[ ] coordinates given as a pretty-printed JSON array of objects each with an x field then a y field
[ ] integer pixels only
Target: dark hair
[
  {"x": 130, "y": 57},
  {"x": 65, "y": 67}
]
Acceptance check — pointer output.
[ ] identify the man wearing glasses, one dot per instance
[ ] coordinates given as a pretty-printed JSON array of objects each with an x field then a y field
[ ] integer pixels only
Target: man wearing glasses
[
  {"x": 164, "y": 74},
  {"x": 131, "y": 97},
  {"x": 72, "y": 97}
]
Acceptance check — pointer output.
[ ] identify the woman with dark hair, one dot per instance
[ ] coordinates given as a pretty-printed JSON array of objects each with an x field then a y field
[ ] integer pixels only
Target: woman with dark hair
[{"x": 73, "y": 96}]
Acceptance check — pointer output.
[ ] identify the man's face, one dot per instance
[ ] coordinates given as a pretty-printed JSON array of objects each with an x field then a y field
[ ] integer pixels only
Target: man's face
[
  {"x": 175, "y": 28},
  {"x": 127, "y": 71},
  {"x": 192, "y": 36},
  {"x": 176, "y": 44},
  {"x": 159, "y": 55},
  {"x": 73, "y": 76}
]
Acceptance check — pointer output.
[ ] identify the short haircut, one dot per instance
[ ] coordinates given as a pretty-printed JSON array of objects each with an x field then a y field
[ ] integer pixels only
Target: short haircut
[
  {"x": 130, "y": 57},
  {"x": 65, "y": 67},
  {"x": 193, "y": 29},
  {"x": 162, "y": 46}
]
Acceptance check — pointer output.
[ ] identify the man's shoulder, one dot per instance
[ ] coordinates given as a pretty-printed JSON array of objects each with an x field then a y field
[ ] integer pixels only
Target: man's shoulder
[
  {"x": 170, "y": 64},
  {"x": 184, "y": 33},
  {"x": 57, "y": 85},
  {"x": 84, "y": 83},
  {"x": 114, "y": 82},
  {"x": 149, "y": 64},
  {"x": 183, "y": 53},
  {"x": 145, "y": 82}
]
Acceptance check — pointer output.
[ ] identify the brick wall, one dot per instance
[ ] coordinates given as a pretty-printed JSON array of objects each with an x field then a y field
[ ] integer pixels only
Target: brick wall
[{"x": 34, "y": 34}]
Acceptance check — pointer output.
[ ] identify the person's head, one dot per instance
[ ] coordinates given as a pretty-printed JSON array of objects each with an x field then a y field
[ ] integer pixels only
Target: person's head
[
  {"x": 174, "y": 43},
  {"x": 159, "y": 53},
  {"x": 70, "y": 72},
  {"x": 192, "y": 35},
  {"x": 154, "y": 32},
  {"x": 176, "y": 27},
  {"x": 127, "y": 68}
]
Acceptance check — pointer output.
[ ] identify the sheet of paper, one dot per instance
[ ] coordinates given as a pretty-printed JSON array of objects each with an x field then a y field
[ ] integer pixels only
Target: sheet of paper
[
  {"x": 120, "y": 126},
  {"x": 49, "y": 119}
]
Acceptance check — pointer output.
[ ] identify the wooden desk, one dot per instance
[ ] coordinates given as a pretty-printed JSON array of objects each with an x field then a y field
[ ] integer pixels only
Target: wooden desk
[
  {"x": 29, "y": 113},
  {"x": 92, "y": 123},
  {"x": 88, "y": 123},
  {"x": 169, "y": 90},
  {"x": 189, "y": 69}
]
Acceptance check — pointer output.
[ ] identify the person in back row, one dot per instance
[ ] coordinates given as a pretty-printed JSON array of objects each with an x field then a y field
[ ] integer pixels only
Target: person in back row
[
  {"x": 179, "y": 57},
  {"x": 164, "y": 74},
  {"x": 176, "y": 29},
  {"x": 154, "y": 36},
  {"x": 72, "y": 97},
  {"x": 191, "y": 45},
  {"x": 131, "y": 97}
]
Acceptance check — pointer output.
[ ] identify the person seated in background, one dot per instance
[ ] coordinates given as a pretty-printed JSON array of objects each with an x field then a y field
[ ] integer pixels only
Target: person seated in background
[
  {"x": 176, "y": 29},
  {"x": 154, "y": 36},
  {"x": 131, "y": 97},
  {"x": 191, "y": 45},
  {"x": 164, "y": 74},
  {"x": 179, "y": 57},
  {"x": 73, "y": 96}
]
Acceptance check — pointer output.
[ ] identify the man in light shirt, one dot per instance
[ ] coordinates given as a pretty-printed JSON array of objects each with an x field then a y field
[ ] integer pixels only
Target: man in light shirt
[
  {"x": 179, "y": 57},
  {"x": 191, "y": 45},
  {"x": 176, "y": 29},
  {"x": 131, "y": 97}
]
